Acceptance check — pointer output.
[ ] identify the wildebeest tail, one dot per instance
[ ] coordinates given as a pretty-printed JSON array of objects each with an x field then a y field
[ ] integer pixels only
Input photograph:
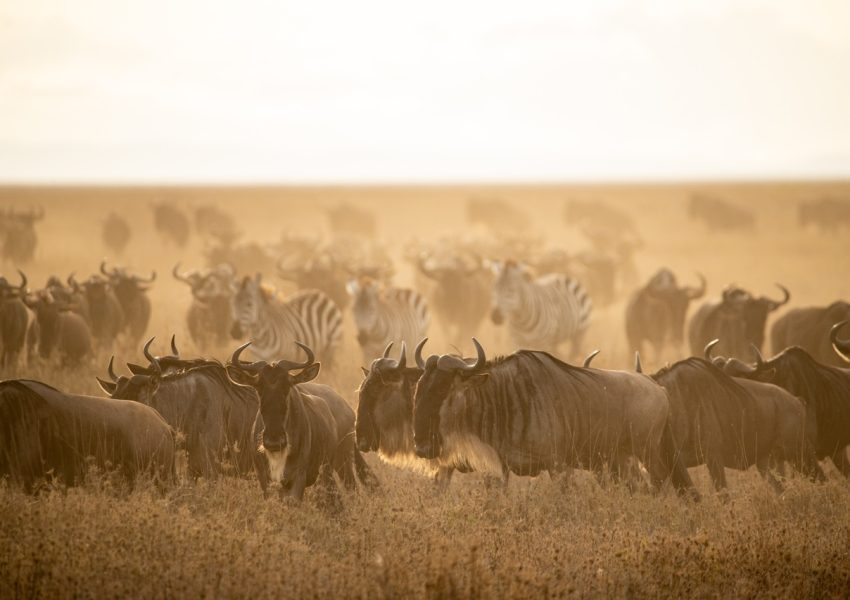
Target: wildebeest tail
[
  {"x": 364, "y": 472},
  {"x": 585, "y": 304},
  {"x": 671, "y": 455}
]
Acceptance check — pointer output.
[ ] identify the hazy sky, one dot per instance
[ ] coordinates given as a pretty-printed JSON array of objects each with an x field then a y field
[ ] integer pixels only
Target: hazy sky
[{"x": 380, "y": 90}]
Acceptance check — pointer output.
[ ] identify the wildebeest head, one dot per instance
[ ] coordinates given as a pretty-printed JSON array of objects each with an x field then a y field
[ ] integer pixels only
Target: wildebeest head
[
  {"x": 509, "y": 277},
  {"x": 663, "y": 287},
  {"x": 442, "y": 377},
  {"x": 386, "y": 398},
  {"x": 8, "y": 291},
  {"x": 274, "y": 383},
  {"x": 208, "y": 285},
  {"x": 140, "y": 386}
]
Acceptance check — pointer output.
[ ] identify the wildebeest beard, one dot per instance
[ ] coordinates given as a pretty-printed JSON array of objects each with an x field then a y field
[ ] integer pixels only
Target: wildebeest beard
[{"x": 385, "y": 414}]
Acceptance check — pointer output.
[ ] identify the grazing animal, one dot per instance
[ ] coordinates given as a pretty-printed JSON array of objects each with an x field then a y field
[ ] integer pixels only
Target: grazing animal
[
  {"x": 116, "y": 233},
  {"x": 211, "y": 221},
  {"x": 497, "y": 215},
  {"x": 722, "y": 422},
  {"x": 386, "y": 314},
  {"x": 14, "y": 321},
  {"x": 824, "y": 389},
  {"x": 656, "y": 312},
  {"x": 321, "y": 271},
  {"x": 171, "y": 223},
  {"x": 208, "y": 318},
  {"x": 828, "y": 215},
  {"x": 199, "y": 401},
  {"x": 529, "y": 412},
  {"x": 461, "y": 292},
  {"x": 809, "y": 329},
  {"x": 46, "y": 433},
  {"x": 273, "y": 323},
  {"x": 17, "y": 232},
  {"x": 107, "y": 316},
  {"x": 541, "y": 313},
  {"x": 385, "y": 414},
  {"x": 349, "y": 219},
  {"x": 738, "y": 319},
  {"x": 719, "y": 215},
  {"x": 60, "y": 329},
  {"x": 131, "y": 293},
  {"x": 302, "y": 431}
]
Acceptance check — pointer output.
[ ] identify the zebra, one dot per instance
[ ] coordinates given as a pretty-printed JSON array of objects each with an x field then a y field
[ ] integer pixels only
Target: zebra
[
  {"x": 541, "y": 313},
  {"x": 386, "y": 314},
  {"x": 273, "y": 323}
]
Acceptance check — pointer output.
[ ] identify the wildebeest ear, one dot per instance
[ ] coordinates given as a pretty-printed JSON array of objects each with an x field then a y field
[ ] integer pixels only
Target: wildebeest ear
[
  {"x": 308, "y": 374},
  {"x": 106, "y": 386},
  {"x": 138, "y": 369},
  {"x": 365, "y": 371},
  {"x": 476, "y": 379}
]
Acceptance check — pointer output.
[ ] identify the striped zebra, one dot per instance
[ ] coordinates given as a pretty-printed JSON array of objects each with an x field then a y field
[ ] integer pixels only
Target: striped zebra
[
  {"x": 541, "y": 313},
  {"x": 386, "y": 314},
  {"x": 273, "y": 324}
]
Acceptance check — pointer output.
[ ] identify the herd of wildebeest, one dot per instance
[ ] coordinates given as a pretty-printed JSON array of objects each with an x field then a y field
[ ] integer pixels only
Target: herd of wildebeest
[{"x": 181, "y": 417}]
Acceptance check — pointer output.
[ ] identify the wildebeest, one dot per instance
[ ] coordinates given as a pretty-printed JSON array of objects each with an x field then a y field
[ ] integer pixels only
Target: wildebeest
[
  {"x": 385, "y": 414},
  {"x": 529, "y": 412},
  {"x": 825, "y": 390},
  {"x": 107, "y": 316},
  {"x": 541, "y": 313},
  {"x": 116, "y": 233},
  {"x": 45, "y": 432},
  {"x": 171, "y": 223},
  {"x": 302, "y": 431},
  {"x": 131, "y": 293},
  {"x": 599, "y": 214},
  {"x": 208, "y": 317},
  {"x": 656, "y": 312},
  {"x": 829, "y": 215},
  {"x": 497, "y": 215},
  {"x": 809, "y": 329},
  {"x": 723, "y": 422},
  {"x": 348, "y": 219},
  {"x": 461, "y": 291},
  {"x": 738, "y": 319},
  {"x": 386, "y": 314},
  {"x": 199, "y": 401},
  {"x": 19, "y": 239},
  {"x": 211, "y": 221},
  {"x": 273, "y": 323},
  {"x": 60, "y": 330},
  {"x": 321, "y": 271},
  {"x": 14, "y": 320},
  {"x": 719, "y": 215}
]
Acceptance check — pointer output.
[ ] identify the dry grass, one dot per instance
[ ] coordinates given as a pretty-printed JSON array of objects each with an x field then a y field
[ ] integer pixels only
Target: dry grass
[{"x": 538, "y": 538}]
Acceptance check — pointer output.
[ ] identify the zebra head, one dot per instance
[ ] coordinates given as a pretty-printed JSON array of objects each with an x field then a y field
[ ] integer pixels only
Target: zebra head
[
  {"x": 510, "y": 278},
  {"x": 246, "y": 305},
  {"x": 365, "y": 293}
]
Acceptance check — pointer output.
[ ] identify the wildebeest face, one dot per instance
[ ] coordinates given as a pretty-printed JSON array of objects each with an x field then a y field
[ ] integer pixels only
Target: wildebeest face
[
  {"x": 386, "y": 401},
  {"x": 274, "y": 385}
]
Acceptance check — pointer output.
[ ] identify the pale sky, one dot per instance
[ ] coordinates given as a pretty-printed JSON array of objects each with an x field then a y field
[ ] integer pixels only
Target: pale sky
[{"x": 388, "y": 91}]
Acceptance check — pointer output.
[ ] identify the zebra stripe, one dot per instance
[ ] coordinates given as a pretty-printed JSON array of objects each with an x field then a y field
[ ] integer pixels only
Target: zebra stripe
[
  {"x": 387, "y": 315},
  {"x": 541, "y": 313},
  {"x": 273, "y": 324}
]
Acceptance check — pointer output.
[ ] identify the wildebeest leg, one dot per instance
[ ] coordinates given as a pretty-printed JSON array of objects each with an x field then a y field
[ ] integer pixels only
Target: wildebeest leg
[
  {"x": 364, "y": 473},
  {"x": 261, "y": 468},
  {"x": 763, "y": 466},
  {"x": 839, "y": 458},
  {"x": 562, "y": 476},
  {"x": 294, "y": 488},
  {"x": 328, "y": 493},
  {"x": 443, "y": 478},
  {"x": 718, "y": 477}
]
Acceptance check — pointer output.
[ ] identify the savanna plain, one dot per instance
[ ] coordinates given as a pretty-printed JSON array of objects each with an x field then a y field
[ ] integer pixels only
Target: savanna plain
[{"x": 535, "y": 538}]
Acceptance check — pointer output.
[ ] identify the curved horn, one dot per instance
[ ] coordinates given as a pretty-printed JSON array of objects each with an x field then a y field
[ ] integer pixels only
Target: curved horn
[
  {"x": 250, "y": 367},
  {"x": 103, "y": 267},
  {"x": 402, "y": 358},
  {"x": 106, "y": 386},
  {"x": 774, "y": 304},
  {"x": 150, "y": 280},
  {"x": 708, "y": 348},
  {"x": 174, "y": 350},
  {"x": 387, "y": 350},
  {"x": 841, "y": 347},
  {"x": 176, "y": 273},
  {"x": 638, "y": 367},
  {"x": 694, "y": 293},
  {"x": 482, "y": 358},
  {"x": 590, "y": 358},
  {"x": 760, "y": 362},
  {"x": 111, "y": 370},
  {"x": 735, "y": 367},
  {"x": 418, "y": 354},
  {"x": 153, "y": 360},
  {"x": 291, "y": 366},
  {"x": 23, "y": 286}
]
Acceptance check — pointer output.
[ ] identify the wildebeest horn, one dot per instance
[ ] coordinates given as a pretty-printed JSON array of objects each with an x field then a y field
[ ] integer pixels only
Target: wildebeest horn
[
  {"x": 418, "y": 354},
  {"x": 708, "y": 347},
  {"x": 387, "y": 350},
  {"x": 111, "y": 370},
  {"x": 774, "y": 304},
  {"x": 103, "y": 267},
  {"x": 174, "y": 345},
  {"x": 638, "y": 367},
  {"x": 589, "y": 358},
  {"x": 250, "y": 367},
  {"x": 735, "y": 367},
  {"x": 23, "y": 286},
  {"x": 176, "y": 273},
  {"x": 402, "y": 358},
  {"x": 841, "y": 347},
  {"x": 482, "y": 358},
  {"x": 106, "y": 386},
  {"x": 153, "y": 360},
  {"x": 760, "y": 362},
  {"x": 694, "y": 293},
  {"x": 141, "y": 280},
  {"x": 289, "y": 365}
]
